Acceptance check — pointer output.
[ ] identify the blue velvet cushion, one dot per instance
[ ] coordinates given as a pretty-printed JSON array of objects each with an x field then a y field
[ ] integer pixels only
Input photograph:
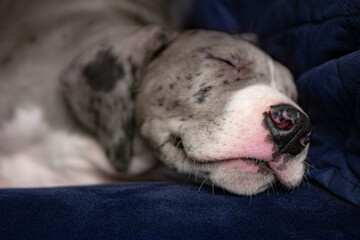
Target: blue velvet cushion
[
  {"x": 318, "y": 41},
  {"x": 174, "y": 211}
]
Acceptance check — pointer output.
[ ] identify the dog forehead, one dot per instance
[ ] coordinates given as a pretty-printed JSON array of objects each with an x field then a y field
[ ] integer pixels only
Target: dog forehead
[
  {"x": 191, "y": 49},
  {"x": 192, "y": 74}
]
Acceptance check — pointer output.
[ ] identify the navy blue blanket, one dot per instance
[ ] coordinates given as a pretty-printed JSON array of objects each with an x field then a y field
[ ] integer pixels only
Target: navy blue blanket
[
  {"x": 174, "y": 211},
  {"x": 319, "y": 42}
]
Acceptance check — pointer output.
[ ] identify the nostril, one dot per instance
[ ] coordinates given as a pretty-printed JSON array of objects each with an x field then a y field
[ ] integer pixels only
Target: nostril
[
  {"x": 281, "y": 121},
  {"x": 290, "y": 128}
]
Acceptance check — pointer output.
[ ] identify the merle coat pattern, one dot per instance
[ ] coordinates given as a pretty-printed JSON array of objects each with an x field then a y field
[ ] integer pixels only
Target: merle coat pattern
[{"x": 205, "y": 103}]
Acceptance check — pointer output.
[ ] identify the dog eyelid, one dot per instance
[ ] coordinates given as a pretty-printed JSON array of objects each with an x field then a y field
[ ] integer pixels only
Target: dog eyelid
[
  {"x": 211, "y": 56},
  {"x": 225, "y": 61}
]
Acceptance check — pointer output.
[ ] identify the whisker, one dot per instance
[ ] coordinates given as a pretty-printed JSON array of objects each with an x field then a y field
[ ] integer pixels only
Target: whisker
[
  {"x": 250, "y": 200},
  {"x": 202, "y": 184}
]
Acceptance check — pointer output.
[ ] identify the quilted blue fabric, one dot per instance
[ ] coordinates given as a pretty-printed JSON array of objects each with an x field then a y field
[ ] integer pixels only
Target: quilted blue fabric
[{"x": 319, "y": 42}]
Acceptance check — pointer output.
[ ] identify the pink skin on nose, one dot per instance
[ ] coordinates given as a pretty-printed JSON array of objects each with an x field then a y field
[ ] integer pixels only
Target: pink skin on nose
[
  {"x": 239, "y": 140},
  {"x": 244, "y": 144},
  {"x": 249, "y": 143}
]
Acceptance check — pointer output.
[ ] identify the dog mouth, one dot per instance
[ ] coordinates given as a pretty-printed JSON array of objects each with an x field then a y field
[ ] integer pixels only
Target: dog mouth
[{"x": 262, "y": 165}]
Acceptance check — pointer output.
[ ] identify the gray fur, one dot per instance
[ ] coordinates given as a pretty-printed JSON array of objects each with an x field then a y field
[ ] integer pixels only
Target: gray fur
[{"x": 140, "y": 87}]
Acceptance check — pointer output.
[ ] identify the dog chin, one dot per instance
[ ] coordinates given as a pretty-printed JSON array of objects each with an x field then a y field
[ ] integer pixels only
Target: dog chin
[
  {"x": 238, "y": 176},
  {"x": 242, "y": 183},
  {"x": 242, "y": 176}
]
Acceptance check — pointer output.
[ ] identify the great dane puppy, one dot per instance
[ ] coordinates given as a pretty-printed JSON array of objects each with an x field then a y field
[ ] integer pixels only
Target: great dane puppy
[{"x": 205, "y": 103}]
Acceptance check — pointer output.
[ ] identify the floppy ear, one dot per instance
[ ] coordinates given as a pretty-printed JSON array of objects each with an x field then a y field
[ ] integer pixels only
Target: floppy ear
[{"x": 99, "y": 87}]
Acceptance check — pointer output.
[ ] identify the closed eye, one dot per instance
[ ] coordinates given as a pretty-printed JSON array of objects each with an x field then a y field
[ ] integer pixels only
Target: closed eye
[
  {"x": 211, "y": 56},
  {"x": 225, "y": 61}
]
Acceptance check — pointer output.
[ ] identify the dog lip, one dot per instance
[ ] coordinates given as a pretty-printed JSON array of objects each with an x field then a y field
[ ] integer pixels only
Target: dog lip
[
  {"x": 263, "y": 165},
  {"x": 176, "y": 142},
  {"x": 248, "y": 159}
]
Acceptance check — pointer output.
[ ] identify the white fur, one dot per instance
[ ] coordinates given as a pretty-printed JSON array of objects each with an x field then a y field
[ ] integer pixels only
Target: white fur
[
  {"x": 30, "y": 149},
  {"x": 240, "y": 131}
]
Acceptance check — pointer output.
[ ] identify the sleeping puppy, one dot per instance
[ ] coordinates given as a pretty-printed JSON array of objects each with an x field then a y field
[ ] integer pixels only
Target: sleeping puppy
[{"x": 205, "y": 103}]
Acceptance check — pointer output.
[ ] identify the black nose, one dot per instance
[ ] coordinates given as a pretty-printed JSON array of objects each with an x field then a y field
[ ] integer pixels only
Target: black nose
[{"x": 290, "y": 128}]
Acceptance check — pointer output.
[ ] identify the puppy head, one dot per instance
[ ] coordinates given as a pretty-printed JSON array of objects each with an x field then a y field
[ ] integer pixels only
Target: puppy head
[
  {"x": 209, "y": 103},
  {"x": 216, "y": 106}
]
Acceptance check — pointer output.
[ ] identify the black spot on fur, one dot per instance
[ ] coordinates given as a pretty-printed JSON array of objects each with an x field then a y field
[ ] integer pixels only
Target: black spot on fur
[
  {"x": 176, "y": 104},
  {"x": 188, "y": 76},
  {"x": 238, "y": 79},
  {"x": 220, "y": 75},
  {"x": 103, "y": 73},
  {"x": 225, "y": 82},
  {"x": 171, "y": 86},
  {"x": 105, "y": 130},
  {"x": 160, "y": 102},
  {"x": 92, "y": 102},
  {"x": 90, "y": 110},
  {"x": 107, "y": 151},
  {"x": 134, "y": 67},
  {"x": 202, "y": 94},
  {"x": 98, "y": 100},
  {"x": 121, "y": 156},
  {"x": 133, "y": 70},
  {"x": 129, "y": 128},
  {"x": 32, "y": 39},
  {"x": 133, "y": 91},
  {"x": 96, "y": 117},
  {"x": 6, "y": 60}
]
